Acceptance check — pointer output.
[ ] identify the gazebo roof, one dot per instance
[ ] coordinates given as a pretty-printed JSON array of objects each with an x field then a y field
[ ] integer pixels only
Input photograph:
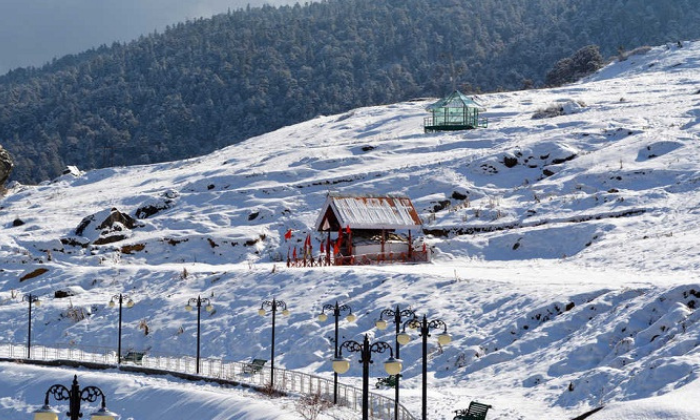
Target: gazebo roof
[
  {"x": 368, "y": 212},
  {"x": 456, "y": 100}
]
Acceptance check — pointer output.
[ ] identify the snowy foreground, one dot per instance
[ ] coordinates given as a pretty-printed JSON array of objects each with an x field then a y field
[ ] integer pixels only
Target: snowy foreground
[{"x": 565, "y": 256}]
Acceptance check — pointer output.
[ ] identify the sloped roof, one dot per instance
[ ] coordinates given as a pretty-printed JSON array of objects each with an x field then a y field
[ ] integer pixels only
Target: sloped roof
[
  {"x": 456, "y": 100},
  {"x": 368, "y": 212}
]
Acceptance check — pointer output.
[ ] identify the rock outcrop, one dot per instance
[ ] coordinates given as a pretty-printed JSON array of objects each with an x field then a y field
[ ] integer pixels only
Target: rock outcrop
[{"x": 6, "y": 165}]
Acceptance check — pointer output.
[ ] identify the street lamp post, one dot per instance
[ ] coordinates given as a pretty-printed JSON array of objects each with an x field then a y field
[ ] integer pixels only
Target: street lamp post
[
  {"x": 199, "y": 301},
  {"x": 129, "y": 304},
  {"x": 424, "y": 326},
  {"x": 337, "y": 310},
  {"x": 382, "y": 324},
  {"x": 341, "y": 365},
  {"x": 35, "y": 300},
  {"x": 74, "y": 395},
  {"x": 274, "y": 305}
]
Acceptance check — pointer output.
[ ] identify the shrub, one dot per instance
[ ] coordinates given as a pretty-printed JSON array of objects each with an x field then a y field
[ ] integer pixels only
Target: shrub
[
  {"x": 310, "y": 406},
  {"x": 585, "y": 61}
]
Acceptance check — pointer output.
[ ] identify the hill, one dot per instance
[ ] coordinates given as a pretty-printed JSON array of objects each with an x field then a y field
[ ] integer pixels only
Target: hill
[
  {"x": 565, "y": 247},
  {"x": 209, "y": 83}
]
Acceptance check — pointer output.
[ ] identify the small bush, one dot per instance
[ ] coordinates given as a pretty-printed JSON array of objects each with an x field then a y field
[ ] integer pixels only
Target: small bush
[
  {"x": 77, "y": 314},
  {"x": 549, "y": 112},
  {"x": 143, "y": 325},
  {"x": 310, "y": 406}
]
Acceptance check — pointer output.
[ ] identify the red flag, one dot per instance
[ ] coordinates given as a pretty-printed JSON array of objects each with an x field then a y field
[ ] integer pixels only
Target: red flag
[
  {"x": 336, "y": 248},
  {"x": 347, "y": 229},
  {"x": 288, "y": 235}
]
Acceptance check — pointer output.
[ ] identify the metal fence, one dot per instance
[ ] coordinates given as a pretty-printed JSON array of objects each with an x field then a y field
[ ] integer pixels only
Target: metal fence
[{"x": 288, "y": 381}]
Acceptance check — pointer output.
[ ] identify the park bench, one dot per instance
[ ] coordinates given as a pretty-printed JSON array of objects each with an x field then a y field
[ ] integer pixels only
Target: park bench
[
  {"x": 476, "y": 411},
  {"x": 254, "y": 367},
  {"x": 389, "y": 381},
  {"x": 134, "y": 357}
]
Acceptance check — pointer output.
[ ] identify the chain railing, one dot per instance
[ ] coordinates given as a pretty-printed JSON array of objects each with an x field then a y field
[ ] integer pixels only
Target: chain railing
[{"x": 380, "y": 406}]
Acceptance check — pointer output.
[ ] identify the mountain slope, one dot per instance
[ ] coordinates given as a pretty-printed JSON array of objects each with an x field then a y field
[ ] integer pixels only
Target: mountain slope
[
  {"x": 565, "y": 246},
  {"x": 209, "y": 83}
]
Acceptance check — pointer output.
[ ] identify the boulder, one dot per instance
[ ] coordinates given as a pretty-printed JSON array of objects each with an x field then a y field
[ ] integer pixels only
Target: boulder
[{"x": 105, "y": 227}]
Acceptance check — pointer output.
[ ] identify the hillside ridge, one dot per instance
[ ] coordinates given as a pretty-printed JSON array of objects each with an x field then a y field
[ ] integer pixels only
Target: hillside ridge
[{"x": 554, "y": 318}]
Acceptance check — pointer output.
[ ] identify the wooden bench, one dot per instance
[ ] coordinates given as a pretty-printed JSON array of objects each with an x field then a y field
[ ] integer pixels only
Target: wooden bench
[
  {"x": 389, "y": 381},
  {"x": 254, "y": 367},
  {"x": 134, "y": 357},
  {"x": 476, "y": 411}
]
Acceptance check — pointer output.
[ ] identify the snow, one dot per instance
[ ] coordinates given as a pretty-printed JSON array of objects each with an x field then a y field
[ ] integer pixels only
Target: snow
[{"x": 564, "y": 256}]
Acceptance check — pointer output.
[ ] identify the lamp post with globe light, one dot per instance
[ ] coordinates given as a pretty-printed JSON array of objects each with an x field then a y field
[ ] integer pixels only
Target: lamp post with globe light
[
  {"x": 129, "y": 303},
  {"x": 32, "y": 299},
  {"x": 74, "y": 395},
  {"x": 274, "y": 305},
  {"x": 199, "y": 301},
  {"x": 424, "y": 326},
  {"x": 341, "y": 364},
  {"x": 381, "y": 324},
  {"x": 337, "y": 311}
]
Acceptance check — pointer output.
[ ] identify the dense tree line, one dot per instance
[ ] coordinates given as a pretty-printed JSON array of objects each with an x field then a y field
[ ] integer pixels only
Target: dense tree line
[{"x": 208, "y": 83}]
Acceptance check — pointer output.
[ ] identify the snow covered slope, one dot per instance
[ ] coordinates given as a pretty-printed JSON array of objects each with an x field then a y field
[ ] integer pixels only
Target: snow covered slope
[{"x": 564, "y": 238}]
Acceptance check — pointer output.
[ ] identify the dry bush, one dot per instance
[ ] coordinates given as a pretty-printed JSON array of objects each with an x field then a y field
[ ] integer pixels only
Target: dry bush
[
  {"x": 143, "y": 325},
  {"x": 270, "y": 391},
  {"x": 310, "y": 406},
  {"x": 75, "y": 313}
]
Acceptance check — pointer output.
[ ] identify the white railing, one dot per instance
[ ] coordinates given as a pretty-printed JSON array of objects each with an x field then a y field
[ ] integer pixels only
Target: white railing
[{"x": 380, "y": 406}]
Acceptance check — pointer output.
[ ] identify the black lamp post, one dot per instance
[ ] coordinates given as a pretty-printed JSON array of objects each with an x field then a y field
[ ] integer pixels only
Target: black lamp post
[
  {"x": 129, "y": 304},
  {"x": 35, "y": 300},
  {"x": 274, "y": 305},
  {"x": 341, "y": 365},
  {"x": 337, "y": 310},
  {"x": 199, "y": 301},
  {"x": 382, "y": 324},
  {"x": 74, "y": 395},
  {"x": 424, "y": 326}
]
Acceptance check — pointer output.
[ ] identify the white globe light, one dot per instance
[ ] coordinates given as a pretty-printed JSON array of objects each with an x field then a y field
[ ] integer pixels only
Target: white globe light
[
  {"x": 130, "y": 304},
  {"x": 341, "y": 365},
  {"x": 262, "y": 312},
  {"x": 351, "y": 318},
  {"x": 322, "y": 317},
  {"x": 403, "y": 338},
  {"x": 46, "y": 413},
  {"x": 111, "y": 303},
  {"x": 37, "y": 303},
  {"x": 444, "y": 339},
  {"x": 209, "y": 307},
  {"x": 381, "y": 324},
  {"x": 103, "y": 414},
  {"x": 188, "y": 307},
  {"x": 393, "y": 366},
  {"x": 285, "y": 312}
]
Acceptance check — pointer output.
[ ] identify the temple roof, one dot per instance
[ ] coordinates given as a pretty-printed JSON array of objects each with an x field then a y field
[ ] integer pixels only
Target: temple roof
[{"x": 368, "y": 212}]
